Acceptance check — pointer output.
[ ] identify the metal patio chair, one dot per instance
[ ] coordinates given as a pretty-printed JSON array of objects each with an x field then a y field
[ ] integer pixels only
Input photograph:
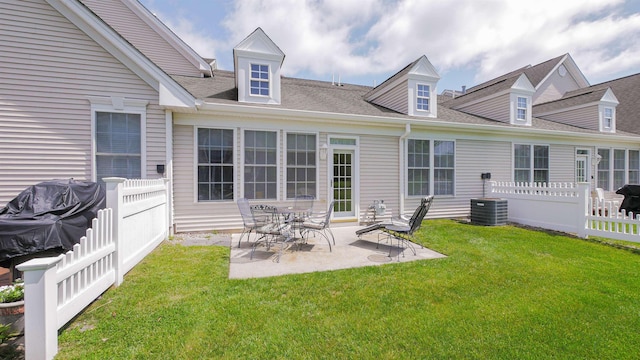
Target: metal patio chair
[
  {"x": 320, "y": 226},
  {"x": 248, "y": 221},
  {"x": 271, "y": 228}
]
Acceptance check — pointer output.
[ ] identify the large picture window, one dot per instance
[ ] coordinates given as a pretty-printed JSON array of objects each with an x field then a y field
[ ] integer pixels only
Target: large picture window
[
  {"x": 215, "y": 164},
  {"x": 301, "y": 165},
  {"x": 530, "y": 163},
  {"x": 618, "y": 167},
  {"x": 118, "y": 145},
  {"x": 260, "y": 164},
  {"x": 428, "y": 160}
]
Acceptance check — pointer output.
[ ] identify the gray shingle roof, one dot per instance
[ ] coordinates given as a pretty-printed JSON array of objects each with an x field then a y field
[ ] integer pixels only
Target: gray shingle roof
[
  {"x": 626, "y": 90},
  {"x": 535, "y": 74},
  {"x": 322, "y": 96}
]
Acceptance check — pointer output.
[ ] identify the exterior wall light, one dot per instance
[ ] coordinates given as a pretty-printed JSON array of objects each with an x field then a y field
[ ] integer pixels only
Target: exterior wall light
[{"x": 324, "y": 148}]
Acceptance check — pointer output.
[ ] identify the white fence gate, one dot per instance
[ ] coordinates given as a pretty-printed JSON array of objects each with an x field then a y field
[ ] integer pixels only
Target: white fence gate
[
  {"x": 135, "y": 221},
  {"x": 566, "y": 207}
]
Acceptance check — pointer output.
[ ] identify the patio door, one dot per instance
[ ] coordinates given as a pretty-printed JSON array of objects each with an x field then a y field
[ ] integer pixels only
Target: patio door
[{"x": 343, "y": 184}]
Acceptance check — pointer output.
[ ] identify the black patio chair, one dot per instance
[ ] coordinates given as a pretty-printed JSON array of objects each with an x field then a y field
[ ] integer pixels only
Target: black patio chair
[{"x": 401, "y": 229}]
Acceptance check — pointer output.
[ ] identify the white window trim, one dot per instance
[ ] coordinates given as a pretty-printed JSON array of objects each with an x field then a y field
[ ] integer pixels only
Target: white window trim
[
  {"x": 278, "y": 164},
  {"x": 268, "y": 80},
  {"x": 531, "y": 161},
  {"x": 124, "y": 106},
  {"x": 285, "y": 162},
  {"x": 423, "y": 97},
  {"x": 431, "y": 167},
  {"x": 195, "y": 165},
  {"x": 525, "y": 108},
  {"x": 608, "y": 126},
  {"x": 611, "y": 165}
]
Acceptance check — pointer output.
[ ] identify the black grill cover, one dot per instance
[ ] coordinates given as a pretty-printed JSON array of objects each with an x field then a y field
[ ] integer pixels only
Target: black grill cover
[
  {"x": 631, "y": 202},
  {"x": 51, "y": 215}
]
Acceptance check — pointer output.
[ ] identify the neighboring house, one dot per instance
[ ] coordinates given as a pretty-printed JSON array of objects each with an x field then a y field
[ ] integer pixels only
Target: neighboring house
[{"x": 76, "y": 71}]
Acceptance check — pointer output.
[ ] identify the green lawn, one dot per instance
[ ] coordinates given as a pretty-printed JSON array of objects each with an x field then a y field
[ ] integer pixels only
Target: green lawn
[{"x": 502, "y": 293}]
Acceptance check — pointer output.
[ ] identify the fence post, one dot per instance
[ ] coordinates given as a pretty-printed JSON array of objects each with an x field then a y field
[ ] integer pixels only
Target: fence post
[
  {"x": 115, "y": 202},
  {"x": 583, "y": 209},
  {"x": 40, "y": 307},
  {"x": 169, "y": 206}
]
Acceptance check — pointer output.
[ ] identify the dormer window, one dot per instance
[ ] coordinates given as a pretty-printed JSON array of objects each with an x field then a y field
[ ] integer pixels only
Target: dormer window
[
  {"x": 422, "y": 97},
  {"x": 259, "y": 79},
  {"x": 521, "y": 114},
  {"x": 607, "y": 119}
]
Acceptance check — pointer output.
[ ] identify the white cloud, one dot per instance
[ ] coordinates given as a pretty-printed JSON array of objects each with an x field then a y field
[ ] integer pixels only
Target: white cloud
[{"x": 370, "y": 37}]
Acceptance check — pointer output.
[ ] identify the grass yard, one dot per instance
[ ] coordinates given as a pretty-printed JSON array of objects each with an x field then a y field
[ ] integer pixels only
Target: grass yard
[{"x": 502, "y": 293}]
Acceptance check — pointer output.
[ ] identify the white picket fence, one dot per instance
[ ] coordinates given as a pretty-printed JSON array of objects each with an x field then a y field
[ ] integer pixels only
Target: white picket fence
[
  {"x": 135, "y": 221},
  {"x": 566, "y": 207}
]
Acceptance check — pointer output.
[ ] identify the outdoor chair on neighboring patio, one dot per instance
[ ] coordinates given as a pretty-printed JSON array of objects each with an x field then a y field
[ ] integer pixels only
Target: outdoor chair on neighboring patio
[
  {"x": 401, "y": 229},
  {"x": 321, "y": 226}
]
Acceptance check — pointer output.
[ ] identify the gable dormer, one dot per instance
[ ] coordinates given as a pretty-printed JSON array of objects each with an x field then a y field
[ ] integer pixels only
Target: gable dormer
[
  {"x": 590, "y": 108},
  {"x": 257, "y": 61},
  {"x": 508, "y": 100},
  {"x": 520, "y": 101},
  {"x": 411, "y": 91}
]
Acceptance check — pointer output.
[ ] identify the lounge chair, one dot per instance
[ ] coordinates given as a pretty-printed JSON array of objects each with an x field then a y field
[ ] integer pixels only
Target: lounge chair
[{"x": 401, "y": 229}]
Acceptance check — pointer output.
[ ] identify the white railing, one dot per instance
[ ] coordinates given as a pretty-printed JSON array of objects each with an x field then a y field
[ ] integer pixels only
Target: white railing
[
  {"x": 135, "y": 221},
  {"x": 566, "y": 207}
]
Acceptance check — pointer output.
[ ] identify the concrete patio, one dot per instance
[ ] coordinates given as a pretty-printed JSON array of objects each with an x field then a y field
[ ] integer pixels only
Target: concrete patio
[{"x": 348, "y": 252}]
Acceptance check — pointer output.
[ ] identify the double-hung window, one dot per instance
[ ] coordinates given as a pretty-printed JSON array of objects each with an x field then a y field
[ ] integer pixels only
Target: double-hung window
[
  {"x": 619, "y": 167},
  {"x": 521, "y": 108},
  {"x": 301, "y": 165},
  {"x": 118, "y": 145},
  {"x": 634, "y": 167},
  {"x": 530, "y": 163},
  {"x": 259, "y": 79},
  {"x": 422, "y": 97},
  {"x": 428, "y": 160},
  {"x": 260, "y": 164},
  {"x": 215, "y": 164},
  {"x": 604, "y": 169},
  {"x": 607, "y": 119}
]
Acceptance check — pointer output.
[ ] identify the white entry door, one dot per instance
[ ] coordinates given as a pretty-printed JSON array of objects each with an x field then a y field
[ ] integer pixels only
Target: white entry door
[{"x": 583, "y": 166}]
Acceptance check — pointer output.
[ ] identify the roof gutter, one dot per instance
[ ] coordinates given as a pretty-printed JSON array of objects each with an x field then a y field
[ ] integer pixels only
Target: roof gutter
[{"x": 401, "y": 163}]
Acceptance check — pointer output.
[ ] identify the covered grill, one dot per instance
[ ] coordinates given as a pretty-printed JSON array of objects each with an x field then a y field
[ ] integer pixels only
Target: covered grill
[
  {"x": 631, "y": 202},
  {"x": 49, "y": 217}
]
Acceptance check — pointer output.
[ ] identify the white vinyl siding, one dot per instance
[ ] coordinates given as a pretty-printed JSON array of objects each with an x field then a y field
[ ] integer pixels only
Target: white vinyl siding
[
  {"x": 497, "y": 108},
  {"x": 395, "y": 99},
  {"x": 143, "y": 37},
  {"x": 45, "y": 116},
  {"x": 379, "y": 172},
  {"x": 585, "y": 117}
]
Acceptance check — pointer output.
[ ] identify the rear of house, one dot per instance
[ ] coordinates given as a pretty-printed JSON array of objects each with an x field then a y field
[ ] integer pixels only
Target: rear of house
[{"x": 94, "y": 89}]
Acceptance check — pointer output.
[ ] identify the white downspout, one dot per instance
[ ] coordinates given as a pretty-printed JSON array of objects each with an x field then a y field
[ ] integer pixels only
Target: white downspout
[
  {"x": 401, "y": 164},
  {"x": 168, "y": 118}
]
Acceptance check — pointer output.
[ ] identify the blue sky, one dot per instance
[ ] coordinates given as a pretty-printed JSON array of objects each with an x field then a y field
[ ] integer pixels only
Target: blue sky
[{"x": 366, "y": 41}]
